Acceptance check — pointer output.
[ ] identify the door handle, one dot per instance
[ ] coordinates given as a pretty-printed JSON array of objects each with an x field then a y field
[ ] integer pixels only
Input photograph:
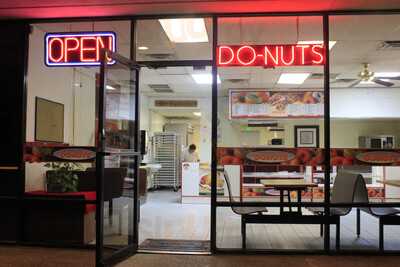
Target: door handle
[{"x": 9, "y": 168}]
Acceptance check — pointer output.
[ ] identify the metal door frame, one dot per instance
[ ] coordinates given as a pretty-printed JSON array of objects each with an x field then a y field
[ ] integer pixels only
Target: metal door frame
[{"x": 132, "y": 246}]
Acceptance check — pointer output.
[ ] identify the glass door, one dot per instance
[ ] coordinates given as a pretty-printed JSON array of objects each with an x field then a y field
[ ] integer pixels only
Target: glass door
[{"x": 118, "y": 159}]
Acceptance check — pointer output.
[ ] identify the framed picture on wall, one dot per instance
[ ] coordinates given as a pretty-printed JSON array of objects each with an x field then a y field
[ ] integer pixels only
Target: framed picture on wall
[
  {"x": 49, "y": 121},
  {"x": 306, "y": 136}
]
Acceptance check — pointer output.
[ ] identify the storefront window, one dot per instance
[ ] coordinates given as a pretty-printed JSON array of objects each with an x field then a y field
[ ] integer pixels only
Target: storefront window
[
  {"x": 270, "y": 127},
  {"x": 271, "y": 133},
  {"x": 174, "y": 39},
  {"x": 61, "y": 133},
  {"x": 365, "y": 118}
]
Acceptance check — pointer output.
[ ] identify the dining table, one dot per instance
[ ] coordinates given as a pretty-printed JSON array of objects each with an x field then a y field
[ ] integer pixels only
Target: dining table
[
  {"x": 288, "y": 185},
  {"x": 395, "y": 183}
]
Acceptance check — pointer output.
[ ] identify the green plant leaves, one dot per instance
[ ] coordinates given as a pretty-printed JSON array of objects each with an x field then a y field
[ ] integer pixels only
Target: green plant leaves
[{"x": 62, "y": 178}]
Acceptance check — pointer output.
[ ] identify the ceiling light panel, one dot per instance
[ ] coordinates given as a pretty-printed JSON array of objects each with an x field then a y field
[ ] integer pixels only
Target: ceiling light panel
[
  {"x": 293, "y": 78},
  {"x": 185, "y": 30},
  {"x": 331, "y": 43},
  {"x": 204, "y": 78}
]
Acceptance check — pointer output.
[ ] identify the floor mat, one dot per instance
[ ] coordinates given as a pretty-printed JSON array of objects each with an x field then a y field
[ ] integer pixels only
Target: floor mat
[{"x": 175, "y": 245}]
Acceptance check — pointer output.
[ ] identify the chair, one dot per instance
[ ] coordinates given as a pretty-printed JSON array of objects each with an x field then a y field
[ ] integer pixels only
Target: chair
[
  {"x": 343, "y": 191},
  {"x": 386, "y": 215},
  {"x": 113, "y": 186},
  {"x": 242, "y": 211}
]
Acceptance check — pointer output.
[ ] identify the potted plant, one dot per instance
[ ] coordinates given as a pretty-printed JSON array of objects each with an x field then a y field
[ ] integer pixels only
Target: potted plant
[{"x": 62, "y": 177}]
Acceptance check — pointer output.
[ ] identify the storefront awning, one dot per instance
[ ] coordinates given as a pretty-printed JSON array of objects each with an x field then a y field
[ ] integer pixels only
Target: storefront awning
[{"x": 100, "y": 8}]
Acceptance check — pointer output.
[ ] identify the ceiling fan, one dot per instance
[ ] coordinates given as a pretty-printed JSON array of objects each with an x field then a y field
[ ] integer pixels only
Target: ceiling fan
[{"x": 366, "y": 75}]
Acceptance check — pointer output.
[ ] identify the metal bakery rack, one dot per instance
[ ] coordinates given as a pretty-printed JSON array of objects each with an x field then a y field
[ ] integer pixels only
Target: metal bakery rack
[{"x": 167, "y": 152}]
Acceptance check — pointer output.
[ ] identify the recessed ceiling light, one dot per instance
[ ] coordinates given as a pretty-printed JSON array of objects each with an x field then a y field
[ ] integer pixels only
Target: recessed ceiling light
[
  {"x": 293, "y": 78},
  {"x": 143, "y": 48},
  {"x": 331, "y": 43},
  {"x": 204, "y": 78},
  {"x": 198, "y": 114},
  {"x": 109, "y": 87},
  {"x": 185, "y": 30},
  {"x": 386, "y": 74}
]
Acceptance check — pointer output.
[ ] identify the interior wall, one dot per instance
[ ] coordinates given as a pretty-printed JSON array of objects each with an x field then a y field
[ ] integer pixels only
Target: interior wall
[
  {"x": 54, "y": 84},
  {"x": 144, "y": 113},
  {"x": 205, "y": 130},
  {"x": 51, "y": 83},
  {"x": 73, "y": 87},
  {"x": 84, "y": 92},
  {"x": 157, "y": 122},
  {"x": 202, "y": 126},
  {"x": 344, "y": 132},
  {"x": 365, "y": 103}
]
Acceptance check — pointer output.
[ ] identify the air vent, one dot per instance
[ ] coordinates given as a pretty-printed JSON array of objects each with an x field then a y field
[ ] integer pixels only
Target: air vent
[
  {"x": 176, "y": 103},
  {"x": 177, "y": 118},
  {"x": 390, "y": 45},
  {"x": 233, "y": 80},
  {"x": 160, "y": 55},
  {"x": 199, "y": 67},
  {"x": 276, "y": 129},
  {"x": 262, "y": 123},
  {"x": 161, "y": 88}
]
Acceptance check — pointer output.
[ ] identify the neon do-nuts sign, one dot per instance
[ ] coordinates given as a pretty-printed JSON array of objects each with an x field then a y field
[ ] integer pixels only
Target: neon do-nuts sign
[
  {"x": 77, "y": 49},
  {"x": 270, "y": 55}
]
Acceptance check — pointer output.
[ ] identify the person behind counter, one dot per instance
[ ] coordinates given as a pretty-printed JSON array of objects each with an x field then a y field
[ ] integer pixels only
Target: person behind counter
[{"x": 190, "y": 154}]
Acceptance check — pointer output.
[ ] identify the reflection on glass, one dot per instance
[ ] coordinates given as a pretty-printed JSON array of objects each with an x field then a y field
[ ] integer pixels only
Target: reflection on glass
[
  {"x": 270, "y": 127},
  {"x": 365, "y": 119},
  {"x": 120, "y": 108}
]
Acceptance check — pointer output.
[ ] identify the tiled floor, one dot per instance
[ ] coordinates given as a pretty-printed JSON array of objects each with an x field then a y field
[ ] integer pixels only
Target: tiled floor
[
  {"x": 259, "y": 261},
  {"x": 162, "y": 216},
  {"x": 13, "y": 256}
]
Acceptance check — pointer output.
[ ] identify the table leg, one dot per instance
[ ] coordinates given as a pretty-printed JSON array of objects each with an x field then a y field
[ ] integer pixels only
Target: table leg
[
  {"x": 281, "y": 199},
  {"x": 289, "y": 200},
  {"x": 299, "y": 201}
]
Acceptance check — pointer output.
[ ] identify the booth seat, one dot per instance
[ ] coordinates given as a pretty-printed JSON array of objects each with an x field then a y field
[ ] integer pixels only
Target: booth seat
[{"x": 61, "y": 218}]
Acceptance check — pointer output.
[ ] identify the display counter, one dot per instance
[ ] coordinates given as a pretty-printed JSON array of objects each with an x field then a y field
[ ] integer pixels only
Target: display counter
[{"x": 196, "y": 182}]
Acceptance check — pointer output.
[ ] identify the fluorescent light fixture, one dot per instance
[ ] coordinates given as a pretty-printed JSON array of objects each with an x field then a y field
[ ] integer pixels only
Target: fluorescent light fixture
[
  {"x": 185, "y": 30},
  {"x": 109, "y": 87},
  {"x": 143, "y": 48},
  {"x": 197, "y": 114},
  {"x": 204, "y": 78},
  {"x": 386, "y": 74},
  {"x": 293, "y": 78},
  {"x": 331, "y": 43}
]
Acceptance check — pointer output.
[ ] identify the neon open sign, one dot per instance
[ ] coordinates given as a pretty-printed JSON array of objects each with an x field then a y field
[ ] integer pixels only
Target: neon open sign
[
  {"x": 77, "y": 49},
  {"x": 270, "y": 55}
]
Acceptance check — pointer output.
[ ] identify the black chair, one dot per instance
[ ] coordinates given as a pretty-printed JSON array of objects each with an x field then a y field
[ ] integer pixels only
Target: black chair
[
  {"x": 244, "y": 212},
  {"x": 386, "y": 215},
  {"x": 113, "y": 185},
  {"x": 344, "y": 191}
]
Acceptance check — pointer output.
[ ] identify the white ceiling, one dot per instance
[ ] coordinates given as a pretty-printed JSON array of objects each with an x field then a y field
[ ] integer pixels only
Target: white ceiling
[{"x": 358, "y": 39}]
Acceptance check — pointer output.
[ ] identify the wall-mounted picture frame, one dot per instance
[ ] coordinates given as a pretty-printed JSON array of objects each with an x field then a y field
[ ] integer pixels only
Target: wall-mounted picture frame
[
  {"x": 49, "y": 121},
  {"x": 306, "y": 136}
]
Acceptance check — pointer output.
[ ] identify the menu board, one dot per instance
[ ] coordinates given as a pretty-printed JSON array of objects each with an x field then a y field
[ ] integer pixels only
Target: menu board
[{"x": 275, "y": 104}]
